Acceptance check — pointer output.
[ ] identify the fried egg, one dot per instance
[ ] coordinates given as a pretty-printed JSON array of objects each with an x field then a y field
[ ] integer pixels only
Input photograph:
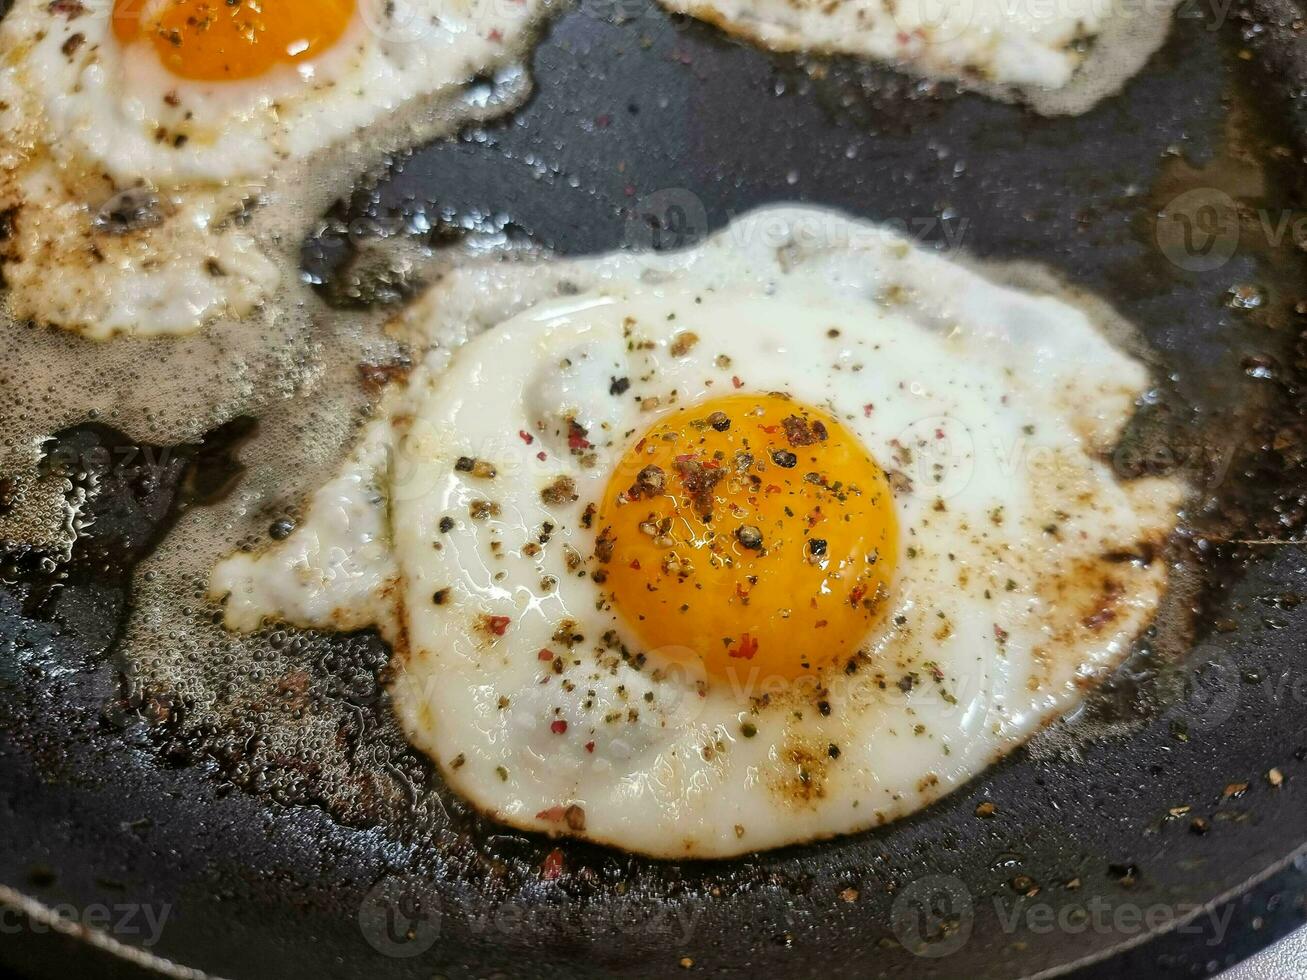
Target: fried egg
[
  {"x": 1060, "y": 57},
  {"x": 774, "y": 539},
  {"x": 138, "y": 134}
]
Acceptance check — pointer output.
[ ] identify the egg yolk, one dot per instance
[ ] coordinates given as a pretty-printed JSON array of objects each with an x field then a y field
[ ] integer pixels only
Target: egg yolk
[
  {"x": 752, "y": 532},
  {"x": 228, "y": 40}
]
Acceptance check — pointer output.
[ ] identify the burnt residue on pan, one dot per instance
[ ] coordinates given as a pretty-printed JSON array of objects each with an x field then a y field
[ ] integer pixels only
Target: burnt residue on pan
[{"x": 648, "y": 131}]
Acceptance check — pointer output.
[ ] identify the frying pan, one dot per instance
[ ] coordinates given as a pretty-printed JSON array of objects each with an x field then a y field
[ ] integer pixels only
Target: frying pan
[{"x": 1157, "y": 833}]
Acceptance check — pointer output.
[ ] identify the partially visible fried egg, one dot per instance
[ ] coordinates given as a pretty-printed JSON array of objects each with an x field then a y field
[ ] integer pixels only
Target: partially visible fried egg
[
  {"x": 774, "y": 539},
  {"x": 138, "y": 133},
  {"x": 1061, "y": 56}
]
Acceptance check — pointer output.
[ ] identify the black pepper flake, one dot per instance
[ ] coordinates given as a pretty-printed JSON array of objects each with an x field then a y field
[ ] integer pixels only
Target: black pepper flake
[
  {"x": 800, "y": 432},
  {"x": 446, "y": 525},
  {"x": 649, "y": 482},
  {"x": 749, "y": 536},
  {"x": 748, "y": 729},
  {"x": 784, "y": 459},
  {"x": 833, "y": 751},
  {"x": 817, "y": 547},
  {"x": 561, "y": 491},
  {"x": 824, "y": 708},
  {"x": 479, "y": 468},
  {"x": 719, "y": 421},
  {"x": 440, "y": 596},
  {"x": 619, "y": 386}
]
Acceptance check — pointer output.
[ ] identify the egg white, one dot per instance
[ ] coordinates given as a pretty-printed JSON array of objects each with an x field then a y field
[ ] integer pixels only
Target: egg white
[
  {"x": 85, "y": 118},
  {"x": 1061, "y": 56},
  {"x": 1026, "y": 567}
]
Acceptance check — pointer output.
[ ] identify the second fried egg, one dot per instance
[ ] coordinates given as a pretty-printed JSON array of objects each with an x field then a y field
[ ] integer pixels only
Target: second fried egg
[{"x": 138, "y": 134}]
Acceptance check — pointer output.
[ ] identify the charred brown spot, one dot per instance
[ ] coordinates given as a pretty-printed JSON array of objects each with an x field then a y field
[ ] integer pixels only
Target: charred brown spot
[
  {"x": 1144, "y": 553},
  {"x": 803, "y": 773},
  {"x": 374, "y": 377}
]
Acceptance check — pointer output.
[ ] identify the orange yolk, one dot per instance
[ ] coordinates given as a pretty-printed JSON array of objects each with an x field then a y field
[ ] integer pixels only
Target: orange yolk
[
  {"x": 227, "y": 40},
  {"x": 752, "y": 532}
]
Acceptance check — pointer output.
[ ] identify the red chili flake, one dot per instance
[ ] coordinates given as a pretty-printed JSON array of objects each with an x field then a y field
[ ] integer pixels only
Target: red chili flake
[
  {"x": 939, "y": 433},
  {"x": 685, "y": 457},
  {"x": 589, "y": 746},
  {"x": 558, "y": 727},
  {"x": 815, "y": 517},
  {"x": 1000, "y": 633},
  {"x": 769, "y": 429},
  {"x": 903, "y": 38},
  {"x": 867, "y": 409},
  {"x": 576, "y": 436},
  {"x": 635, "y": 563},
  {"x": 496, "y": 34},
  {"x": 820, "y": 624},
  {"x": 553, "y": 814},
  {"x": 545, "y": 654},
  {"x": 735, "y": 381},
  {"x": 747, "y": 648},
  {"x": 856, "y": 595},
  {"x": 542, "y": 456},
  {"x": 497, "y": 624},
  {"x": 552, "y": 866},
  {"x": 68, "y": 8},
  {"x": 603, "y": 121},
  {"x": 772, "y": 488},
  {"x": 741, "y": 591},
  {"x": 629, "y": 190},
  {"x": 525, "y": 436}
]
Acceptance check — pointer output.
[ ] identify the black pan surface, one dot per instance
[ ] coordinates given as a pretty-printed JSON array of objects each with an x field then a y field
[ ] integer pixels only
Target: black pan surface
[{"x": 1148, "y": 837}]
